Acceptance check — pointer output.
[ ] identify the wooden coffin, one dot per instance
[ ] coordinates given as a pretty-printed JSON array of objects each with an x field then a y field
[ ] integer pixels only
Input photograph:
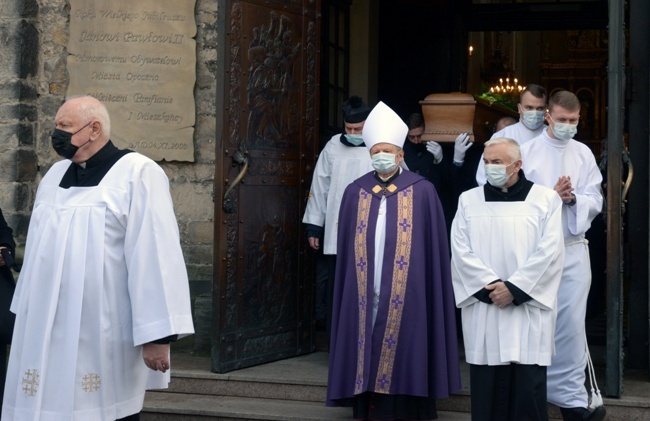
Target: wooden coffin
[{"x": 448, "y": 115}]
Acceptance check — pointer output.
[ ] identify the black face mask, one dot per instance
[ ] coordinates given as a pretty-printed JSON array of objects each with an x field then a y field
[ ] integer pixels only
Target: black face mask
[
  {"x": 62, "y": 142},
  {"x": 418, "y": 147}
]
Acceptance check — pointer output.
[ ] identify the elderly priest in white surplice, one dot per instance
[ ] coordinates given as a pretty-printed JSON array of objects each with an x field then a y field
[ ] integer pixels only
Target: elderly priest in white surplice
[
  {"x": 507, "y": 255},
  {"x": 103, "y": 289}
]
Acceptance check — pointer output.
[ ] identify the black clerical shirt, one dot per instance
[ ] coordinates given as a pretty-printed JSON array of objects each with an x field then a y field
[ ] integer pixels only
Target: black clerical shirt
[{"x": 91, "y": 172}]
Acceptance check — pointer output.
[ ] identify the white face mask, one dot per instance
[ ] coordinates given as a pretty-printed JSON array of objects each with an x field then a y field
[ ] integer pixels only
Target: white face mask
[
  {"x": 384, "y": 162},
  {"x": 496, "y": 174},
  {"x": 355, "y": 139},
  {"x": 532, "y": 119},
  {"x": 564, "y": 131}
]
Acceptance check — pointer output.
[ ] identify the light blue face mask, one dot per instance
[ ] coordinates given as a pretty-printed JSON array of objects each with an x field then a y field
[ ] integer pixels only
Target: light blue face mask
[
  {"x": 496, "y": 174},
  {"x": 384, "y": 162},
  {"x": 355, "y": 139},
  {"x": 564, "y": 131},
  {"x": 532, "y": 119}
]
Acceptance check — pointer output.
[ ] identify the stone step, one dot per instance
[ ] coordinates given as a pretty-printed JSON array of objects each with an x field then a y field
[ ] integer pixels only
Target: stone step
[
  {"x": 254, "y": 387},
  {"x": 170, "y": 406},
  {"x": 209, "y": 384},
  {"x": 296, "y": 388},
  {"x": 163, "y": 406}
]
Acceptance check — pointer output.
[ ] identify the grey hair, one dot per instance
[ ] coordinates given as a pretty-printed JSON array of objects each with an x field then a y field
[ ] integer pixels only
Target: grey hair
[
  {"x": 513, "y": 147},
  {"x": 92, "y": 108}
]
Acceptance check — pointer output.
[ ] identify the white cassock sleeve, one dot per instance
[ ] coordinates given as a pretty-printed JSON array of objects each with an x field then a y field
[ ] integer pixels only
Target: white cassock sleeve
[
  {"x": 468, "y": 272},
  {"x": 480, "y": 172},
  {"x": 157, "y": 276},
  {"x": 589, "y": 198},
  {"x": 320, "y": 186}
]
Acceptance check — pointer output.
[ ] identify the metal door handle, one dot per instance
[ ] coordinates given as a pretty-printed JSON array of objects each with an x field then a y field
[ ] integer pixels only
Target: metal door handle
[
  {"x": 628, "y": 181},
  {"x": 240, "y": 158},
  {"x": 630, "y": 175}
]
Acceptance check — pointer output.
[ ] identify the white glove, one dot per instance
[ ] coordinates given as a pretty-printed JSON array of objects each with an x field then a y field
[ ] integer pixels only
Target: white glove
[
  {"x": 435, "y": 149},
  {"x": 461, "y": 145}
]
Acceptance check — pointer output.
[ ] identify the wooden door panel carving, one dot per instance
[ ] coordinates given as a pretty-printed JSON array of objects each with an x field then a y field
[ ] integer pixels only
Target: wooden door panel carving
[{"x": 262, "y": 301}]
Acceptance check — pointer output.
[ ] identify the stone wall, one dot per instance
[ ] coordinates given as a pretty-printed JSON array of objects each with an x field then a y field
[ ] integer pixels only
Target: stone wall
[
  {"x": 33, "y": 82},
  {"x": 19, "y": 55}
]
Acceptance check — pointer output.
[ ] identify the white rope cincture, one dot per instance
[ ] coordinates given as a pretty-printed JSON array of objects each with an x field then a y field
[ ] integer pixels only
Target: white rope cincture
[{"x": 595, "y": 398}]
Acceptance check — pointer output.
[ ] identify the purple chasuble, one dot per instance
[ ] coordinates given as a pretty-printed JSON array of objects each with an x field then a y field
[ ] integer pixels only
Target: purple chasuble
[{"x": 413, "y": 348}]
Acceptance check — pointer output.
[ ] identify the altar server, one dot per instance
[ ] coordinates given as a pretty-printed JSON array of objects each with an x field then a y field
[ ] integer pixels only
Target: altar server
[
  {"x": 343, "y": 159},
  {"x": 531, "y": 109},
  {"x": 554, "y": 159}
]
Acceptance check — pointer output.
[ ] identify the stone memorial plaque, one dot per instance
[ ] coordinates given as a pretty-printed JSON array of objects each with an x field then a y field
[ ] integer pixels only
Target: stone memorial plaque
[{"x": 138, "y": 58}]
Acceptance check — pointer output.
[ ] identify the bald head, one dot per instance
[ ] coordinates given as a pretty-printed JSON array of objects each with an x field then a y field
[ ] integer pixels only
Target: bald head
[{"x": 87, "y": 120}]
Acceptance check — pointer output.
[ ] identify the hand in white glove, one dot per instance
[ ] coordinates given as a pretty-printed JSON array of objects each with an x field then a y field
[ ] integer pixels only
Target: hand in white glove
[
  {"x": 461, "y": 145},
  {"x": 435, "y": 149}
]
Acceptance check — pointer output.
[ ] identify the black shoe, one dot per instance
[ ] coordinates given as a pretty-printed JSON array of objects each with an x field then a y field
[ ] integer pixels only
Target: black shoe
[
  {"x": 583, "y": 414},
  {"x": 598, "y": 414}
]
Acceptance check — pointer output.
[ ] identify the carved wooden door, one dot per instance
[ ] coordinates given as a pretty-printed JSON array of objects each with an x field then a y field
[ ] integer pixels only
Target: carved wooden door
[{"x": 263, "y": 283}]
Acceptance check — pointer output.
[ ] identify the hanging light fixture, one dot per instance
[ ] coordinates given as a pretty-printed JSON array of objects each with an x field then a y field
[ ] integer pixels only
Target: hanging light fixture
[{"x": 507, "y": 88}]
